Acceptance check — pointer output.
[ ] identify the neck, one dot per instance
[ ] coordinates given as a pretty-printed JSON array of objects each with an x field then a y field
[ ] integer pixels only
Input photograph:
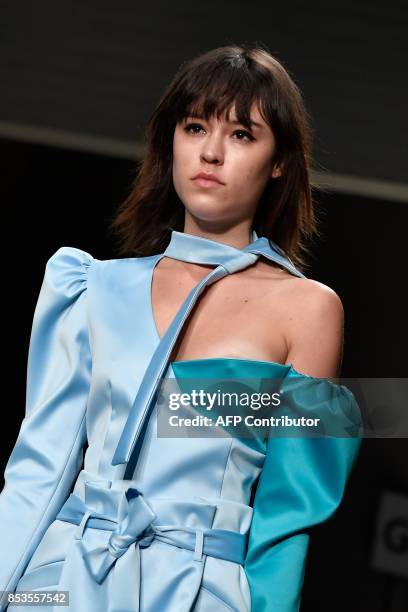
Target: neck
[{"x": 238, "y": 236}]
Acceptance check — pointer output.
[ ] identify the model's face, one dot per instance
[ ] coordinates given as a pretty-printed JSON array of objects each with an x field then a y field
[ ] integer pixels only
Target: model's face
[{"x": 240, "y": 159}]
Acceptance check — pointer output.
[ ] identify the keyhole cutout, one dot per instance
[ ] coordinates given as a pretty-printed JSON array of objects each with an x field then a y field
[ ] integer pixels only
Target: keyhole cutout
[{"x": 223, "y": 323}]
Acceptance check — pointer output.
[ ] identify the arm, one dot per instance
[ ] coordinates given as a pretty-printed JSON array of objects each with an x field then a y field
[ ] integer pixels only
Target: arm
[
  {"x": 315, "y": 327},
  {"x": 48, "y": 452},
  {"x": 303, "y": 478}
]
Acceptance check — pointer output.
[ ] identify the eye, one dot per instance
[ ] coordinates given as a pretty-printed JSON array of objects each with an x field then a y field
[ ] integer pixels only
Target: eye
[
  {"x": 247, "y": 134},
  {"x": 189, "y": 126},
  {"x": 194, "y": 128}
]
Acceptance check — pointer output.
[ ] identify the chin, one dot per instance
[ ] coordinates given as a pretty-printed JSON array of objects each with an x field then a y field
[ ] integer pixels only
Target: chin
[
  {"x": 206, "y": 206},
  {"x": 208, "y": 213}
]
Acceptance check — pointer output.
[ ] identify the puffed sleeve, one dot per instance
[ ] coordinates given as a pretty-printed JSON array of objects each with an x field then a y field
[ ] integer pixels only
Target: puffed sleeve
[
  {"x": 48, "y": 452},
  {"x": 301, "y": 484}
]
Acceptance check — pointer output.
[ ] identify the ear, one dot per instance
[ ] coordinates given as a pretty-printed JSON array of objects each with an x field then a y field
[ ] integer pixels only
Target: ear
[{"x": 277, "y": 171}]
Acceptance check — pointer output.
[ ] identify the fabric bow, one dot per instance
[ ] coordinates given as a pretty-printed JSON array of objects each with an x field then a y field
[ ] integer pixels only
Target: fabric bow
[{"x": 134, "y": 527}]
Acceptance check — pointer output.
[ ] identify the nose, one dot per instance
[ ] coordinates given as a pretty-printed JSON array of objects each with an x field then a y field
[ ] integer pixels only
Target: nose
[{"x": 212, "y": 149}]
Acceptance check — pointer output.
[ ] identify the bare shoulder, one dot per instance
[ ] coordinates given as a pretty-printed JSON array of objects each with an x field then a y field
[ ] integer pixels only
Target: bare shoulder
[
  {"x": 310, "y": 298},
  {"x": 302, "y": 299},
  {"x": 314, "y": 327}
]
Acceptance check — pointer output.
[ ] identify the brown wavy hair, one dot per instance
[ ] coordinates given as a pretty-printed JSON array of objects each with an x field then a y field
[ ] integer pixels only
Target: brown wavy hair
[{"x": 206, "y": 86}]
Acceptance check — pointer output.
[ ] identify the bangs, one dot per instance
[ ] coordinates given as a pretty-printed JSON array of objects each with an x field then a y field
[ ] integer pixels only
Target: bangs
[{"x": 212, "y": 89}]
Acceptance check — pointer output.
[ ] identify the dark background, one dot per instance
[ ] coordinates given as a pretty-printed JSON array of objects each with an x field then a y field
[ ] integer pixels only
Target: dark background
[{"x": 78, "y": 82}]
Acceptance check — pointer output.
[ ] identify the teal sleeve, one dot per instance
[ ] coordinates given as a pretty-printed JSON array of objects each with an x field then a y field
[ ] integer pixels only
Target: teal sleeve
[{"x": 301, "y": 484}]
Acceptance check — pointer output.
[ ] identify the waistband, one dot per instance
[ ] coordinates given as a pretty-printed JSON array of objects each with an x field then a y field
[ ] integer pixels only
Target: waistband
[{"x": 131, "y": 519}]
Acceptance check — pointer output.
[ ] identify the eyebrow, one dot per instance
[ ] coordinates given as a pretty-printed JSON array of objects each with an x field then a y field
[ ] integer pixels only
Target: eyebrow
[
  {"x": 234, "y": 122},
  {"x": 251, "y": 122}
]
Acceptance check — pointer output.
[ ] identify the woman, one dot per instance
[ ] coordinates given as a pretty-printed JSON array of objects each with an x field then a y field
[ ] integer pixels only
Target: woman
[{"x": 211, "y": 286}]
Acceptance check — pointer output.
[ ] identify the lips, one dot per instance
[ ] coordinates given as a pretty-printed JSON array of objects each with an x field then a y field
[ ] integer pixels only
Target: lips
[
  {"x": 206, "y": 179},
  {"x": 206, "y": 183}
]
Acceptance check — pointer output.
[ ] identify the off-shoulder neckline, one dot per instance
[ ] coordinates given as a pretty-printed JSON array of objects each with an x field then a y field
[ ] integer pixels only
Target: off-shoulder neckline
[{"x": 287, "y": 366}]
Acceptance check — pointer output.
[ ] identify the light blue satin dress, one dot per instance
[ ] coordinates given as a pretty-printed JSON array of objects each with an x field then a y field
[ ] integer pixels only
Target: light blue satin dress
[{"x": 124, "y": 538}]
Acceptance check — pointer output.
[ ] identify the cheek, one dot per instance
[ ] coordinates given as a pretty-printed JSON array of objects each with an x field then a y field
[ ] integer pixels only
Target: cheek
[
  {"x": 183, "y": 167},
  {"x": 177, "y": 159},
  {"x": 182, "y": 156},
  {"x": 251, "y": 171}
]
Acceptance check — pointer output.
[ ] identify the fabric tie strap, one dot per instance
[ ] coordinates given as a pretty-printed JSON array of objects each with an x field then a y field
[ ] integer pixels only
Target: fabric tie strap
[
  {"x": 130, "y": 523},
  {"x": 195, "y": 249}
]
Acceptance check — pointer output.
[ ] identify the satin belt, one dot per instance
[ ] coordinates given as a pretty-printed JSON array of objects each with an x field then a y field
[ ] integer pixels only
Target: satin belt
[{"x": 129, "y": 518}]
